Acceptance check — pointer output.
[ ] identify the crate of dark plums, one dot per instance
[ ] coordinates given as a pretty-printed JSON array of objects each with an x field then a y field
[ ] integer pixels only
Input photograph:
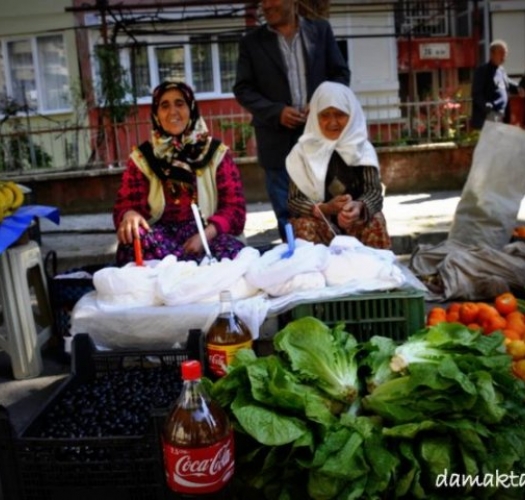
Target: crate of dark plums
[{"x": 98, "y": 435}]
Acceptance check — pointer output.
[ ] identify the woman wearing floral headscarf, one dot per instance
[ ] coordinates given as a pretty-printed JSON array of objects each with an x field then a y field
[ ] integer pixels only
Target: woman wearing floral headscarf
[
  {"x": 180, "y": 165},
  {"x": 335, "y": 186}
]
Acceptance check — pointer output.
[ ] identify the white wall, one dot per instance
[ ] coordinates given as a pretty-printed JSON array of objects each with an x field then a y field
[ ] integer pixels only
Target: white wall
[
  {"x": 372, "y": 59},
  {"x": 508, "y": 23}
]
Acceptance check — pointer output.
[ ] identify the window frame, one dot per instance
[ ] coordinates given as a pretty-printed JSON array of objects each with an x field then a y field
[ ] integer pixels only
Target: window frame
[
  {"x": 153, "y": 65},
  {"x": 37, "y": 69}
]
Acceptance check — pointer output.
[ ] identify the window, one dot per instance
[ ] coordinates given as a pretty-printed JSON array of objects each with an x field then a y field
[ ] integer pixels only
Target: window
[
  {"x": 170, "y": 62},
  {"x": 37, "y": 74},
  {"x": 424, "y": 17},
  {"x": 3, "y": 89},
  {"x": 208, "y": 64},
  {"x": 139, "y": 71},
  {"x": 202, "y": 66},
  {"x": 228, "y": 52}
]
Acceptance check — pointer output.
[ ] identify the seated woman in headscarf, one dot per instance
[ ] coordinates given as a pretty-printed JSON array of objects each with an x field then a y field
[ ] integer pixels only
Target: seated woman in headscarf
[
  {"x": 180, "y": 165},
  {"x": 335, "y": 183}
]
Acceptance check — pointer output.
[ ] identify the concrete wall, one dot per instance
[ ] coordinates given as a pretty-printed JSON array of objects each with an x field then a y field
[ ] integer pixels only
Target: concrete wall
[{"x": 413, "y": 169}]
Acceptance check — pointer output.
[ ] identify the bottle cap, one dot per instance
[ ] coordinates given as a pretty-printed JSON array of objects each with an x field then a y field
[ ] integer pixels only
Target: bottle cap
[{"x": 191, "y": 370}]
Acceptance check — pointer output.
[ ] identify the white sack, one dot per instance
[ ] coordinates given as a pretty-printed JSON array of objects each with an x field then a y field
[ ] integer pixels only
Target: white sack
[
  {"x": 471, "y": 272},
  {"x": 187, "y": 283},
  {"x": 491, "y": 198},
  {"x": 272, "y": 270},
  {"x": 351, "y": 261},
  {"x": 299, "y": 283},
  {"x": 131, "y": 285}
]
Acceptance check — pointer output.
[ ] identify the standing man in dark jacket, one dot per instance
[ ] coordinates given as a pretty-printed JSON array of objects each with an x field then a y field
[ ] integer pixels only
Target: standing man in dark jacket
[
  {"x": 491, "y": 88},
  {"x": 280, "y": 65}
]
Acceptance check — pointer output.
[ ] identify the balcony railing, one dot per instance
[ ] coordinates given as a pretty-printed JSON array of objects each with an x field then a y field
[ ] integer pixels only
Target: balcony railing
[{"x": 32, "y": 149}]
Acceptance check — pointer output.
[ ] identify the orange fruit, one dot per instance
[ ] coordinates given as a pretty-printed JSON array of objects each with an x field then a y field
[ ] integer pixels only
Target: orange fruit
[
  {"x": 511, "y": 334},
  {"x": 436, "y": 315},
  {"x": 434, "y": 320},
  {"x": 474, "y": 326},
  {"x": 516, "y": 348},
  {"x": 485, "y": 312},
  {"x": 453, "y": 317},
  {"x": 438, "y": 311},
  {"x": 518, "y": 367},
  {"x": 519, "y": 231},
  {"x": 453, "y": 307},
  {"x": 515, "y": 316},
  {"x": 468, "y": 312},
  {"x": 506, "y": 303},
  {"x": 493, "y": 323},
  {"x": 516, "y": 321}
]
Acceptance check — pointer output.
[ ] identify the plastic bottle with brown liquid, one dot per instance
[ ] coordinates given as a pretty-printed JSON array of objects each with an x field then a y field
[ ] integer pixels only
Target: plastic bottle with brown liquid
[
  {"x": 225, "y": 337},
  {"x": 197, "y": 441}
]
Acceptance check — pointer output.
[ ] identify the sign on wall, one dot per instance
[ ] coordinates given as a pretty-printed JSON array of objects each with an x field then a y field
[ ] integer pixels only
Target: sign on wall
[{"x": 434, "y": 50}]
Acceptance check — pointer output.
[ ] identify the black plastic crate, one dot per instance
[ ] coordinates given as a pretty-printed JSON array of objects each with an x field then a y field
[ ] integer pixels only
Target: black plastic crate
[
  {"x": 64, "y": 293},
  {"x": 90, "y": 468}
]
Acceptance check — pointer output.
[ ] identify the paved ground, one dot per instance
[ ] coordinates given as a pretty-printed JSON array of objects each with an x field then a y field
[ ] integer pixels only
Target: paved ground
[{"x": 90, "y": 239}]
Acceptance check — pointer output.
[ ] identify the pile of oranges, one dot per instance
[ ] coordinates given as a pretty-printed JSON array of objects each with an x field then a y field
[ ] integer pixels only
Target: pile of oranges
[{"x": 504, "y": 315}]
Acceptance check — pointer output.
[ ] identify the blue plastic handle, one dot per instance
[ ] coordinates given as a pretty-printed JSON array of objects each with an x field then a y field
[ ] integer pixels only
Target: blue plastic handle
[{"x": 290, "y": 238}]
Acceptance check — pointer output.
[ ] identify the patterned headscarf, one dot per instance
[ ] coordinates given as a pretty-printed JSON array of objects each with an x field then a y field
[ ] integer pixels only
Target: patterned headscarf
[{"x": 194, "y": 148}]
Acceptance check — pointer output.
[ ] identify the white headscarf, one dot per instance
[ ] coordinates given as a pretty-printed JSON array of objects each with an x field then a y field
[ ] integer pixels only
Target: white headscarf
[{"x": 307, "y": 163}]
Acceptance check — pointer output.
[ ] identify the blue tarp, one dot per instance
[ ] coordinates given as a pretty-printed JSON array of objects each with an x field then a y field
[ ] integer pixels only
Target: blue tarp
[{"x": 12, "y": 227}]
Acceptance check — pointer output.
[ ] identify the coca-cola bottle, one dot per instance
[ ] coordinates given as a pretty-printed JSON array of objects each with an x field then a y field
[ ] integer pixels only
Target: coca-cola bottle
[
  {"x": 197, "y": 441},
  {"x": 225, "y": 337}
]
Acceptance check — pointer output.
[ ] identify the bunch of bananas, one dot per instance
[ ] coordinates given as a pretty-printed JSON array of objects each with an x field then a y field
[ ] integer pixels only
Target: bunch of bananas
[{"x": 11, "y": 197}]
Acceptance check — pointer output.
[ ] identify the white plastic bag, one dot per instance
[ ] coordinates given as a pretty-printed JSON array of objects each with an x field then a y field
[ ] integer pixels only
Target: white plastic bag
[
  {"x": 187, "y": 283},
  {"x": 129, "y": 286},
  {"x": 272, "y": 271},
  {"x": 491, "y": 198}
]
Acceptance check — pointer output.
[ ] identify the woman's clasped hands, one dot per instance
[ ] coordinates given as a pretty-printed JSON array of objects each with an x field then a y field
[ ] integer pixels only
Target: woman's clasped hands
[{"x": 347, "y": 210}]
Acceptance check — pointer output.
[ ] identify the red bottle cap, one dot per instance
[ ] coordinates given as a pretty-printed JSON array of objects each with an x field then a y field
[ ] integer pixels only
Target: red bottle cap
[{"x": 191, "y": 370}]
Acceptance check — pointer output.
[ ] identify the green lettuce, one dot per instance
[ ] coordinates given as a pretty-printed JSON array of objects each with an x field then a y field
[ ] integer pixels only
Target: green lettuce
[
  {"x": 435, "y": 343},
  {"x": 379, "y": 351},
  {"x": 322, "y": 355}
]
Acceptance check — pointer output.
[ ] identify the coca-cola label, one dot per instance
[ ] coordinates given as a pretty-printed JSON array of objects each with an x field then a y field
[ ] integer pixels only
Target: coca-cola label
[
  {"x": 199, "y": 470},
  {"x": 220, "y": 356}
]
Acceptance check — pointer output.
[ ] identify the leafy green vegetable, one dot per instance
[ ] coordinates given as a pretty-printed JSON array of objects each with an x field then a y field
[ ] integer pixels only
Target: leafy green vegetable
[
  {"x": 379, "y": 352},
  {"x": 266, "y": 426},
  {"x": 306, "y": 427},
  {"x": 434, "y": 344},
  {"x": 320, "y": 354}
]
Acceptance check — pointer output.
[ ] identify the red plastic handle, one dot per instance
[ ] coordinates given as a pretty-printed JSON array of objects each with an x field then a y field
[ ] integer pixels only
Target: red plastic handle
[{"x": 138, "y": 252}]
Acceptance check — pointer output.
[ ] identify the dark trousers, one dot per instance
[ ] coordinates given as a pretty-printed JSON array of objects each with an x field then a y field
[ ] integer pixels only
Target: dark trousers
[{"x": 277, "y": 182}]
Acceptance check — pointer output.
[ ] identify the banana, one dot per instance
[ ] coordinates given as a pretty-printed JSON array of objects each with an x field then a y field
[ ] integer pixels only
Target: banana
[
  {"x": 8, "y": 195},
  {"x": 18, "y": 195},
  {"x": 11, "y": 198},
  {"x": 3, "y": 200}
]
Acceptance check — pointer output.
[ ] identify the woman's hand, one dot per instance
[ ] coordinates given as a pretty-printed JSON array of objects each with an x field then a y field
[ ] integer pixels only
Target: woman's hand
[
  {"x": 350, "y": 213},
  {"x": 335, "y": 205},
  {"x": 128, "y": 229},
  {"x": 193, "y": 245}
]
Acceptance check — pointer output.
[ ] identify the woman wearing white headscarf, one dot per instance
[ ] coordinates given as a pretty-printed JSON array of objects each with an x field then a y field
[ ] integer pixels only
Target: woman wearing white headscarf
[{"x": 335, "y": 183}]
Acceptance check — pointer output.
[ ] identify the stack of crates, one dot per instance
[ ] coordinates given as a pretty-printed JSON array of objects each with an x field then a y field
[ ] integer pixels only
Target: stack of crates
[{"x": 86, "y": 468}]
